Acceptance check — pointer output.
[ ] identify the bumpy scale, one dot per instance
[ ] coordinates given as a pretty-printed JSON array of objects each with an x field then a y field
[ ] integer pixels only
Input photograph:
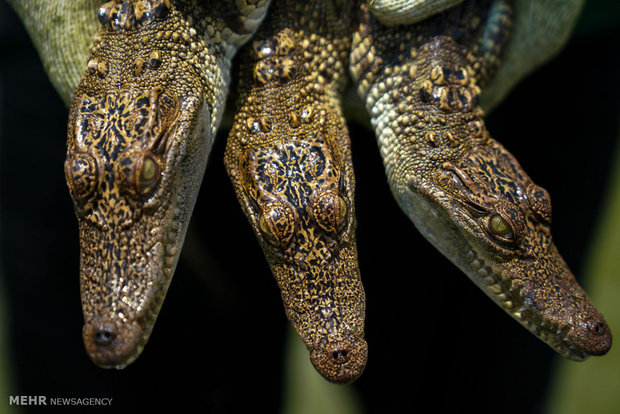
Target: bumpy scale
[
  {"x": 141, "y": 125},
  {"x": 462, "y": 189},
  {"x": 288, "y": 156}
]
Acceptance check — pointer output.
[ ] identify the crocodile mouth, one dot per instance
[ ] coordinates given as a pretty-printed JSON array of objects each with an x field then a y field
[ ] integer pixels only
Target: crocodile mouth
[
  {"x": 511, "y": 298},
  {"x": 540, "y": 292}
]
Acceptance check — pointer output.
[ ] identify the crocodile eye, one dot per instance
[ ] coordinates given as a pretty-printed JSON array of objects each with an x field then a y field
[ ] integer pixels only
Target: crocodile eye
[
  {"x": 149, "y": 172},
  {"x": 342, "y": 218},
  {"x": 138, "y": 173},
  {"x": 500, "y": 227},
  {"x": 266, "y": 229},
  {"x": 277, "y": 224},
  {"x": 330, "y": 211},
  {"x": 81, "y": 173}
]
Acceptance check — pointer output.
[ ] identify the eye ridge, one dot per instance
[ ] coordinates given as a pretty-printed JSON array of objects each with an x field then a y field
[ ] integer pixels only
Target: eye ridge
[
  {"x": 276, "y": 222},
  {"x": 330, "y": 209},
  {"x": 82, "y": 173},
  {"x": 540, "y": 202}
]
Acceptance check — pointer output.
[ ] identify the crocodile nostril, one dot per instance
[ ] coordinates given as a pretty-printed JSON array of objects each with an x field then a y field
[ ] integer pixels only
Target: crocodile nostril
[
  {"x": 597, "y": 338},
  {"x": 600, "y": 328},
  {"x": 104, "y": 335},
  {"x": 340, "y": 355},
  {"x": 342, "y": 361},
  {"x": 111, "y": 343}
]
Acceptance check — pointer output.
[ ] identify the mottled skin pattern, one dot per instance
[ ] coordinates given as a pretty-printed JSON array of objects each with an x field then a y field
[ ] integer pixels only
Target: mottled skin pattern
[
  {"x": 141, "y": 125},
  {"x": 144, "y": 115},
  {"x": 461, "y": 188},
  {"x": 288, "y": 156}
]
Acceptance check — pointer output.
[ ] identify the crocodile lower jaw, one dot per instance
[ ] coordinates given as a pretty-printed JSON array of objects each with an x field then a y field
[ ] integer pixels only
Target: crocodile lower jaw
[{"x": 503, "y": 292}]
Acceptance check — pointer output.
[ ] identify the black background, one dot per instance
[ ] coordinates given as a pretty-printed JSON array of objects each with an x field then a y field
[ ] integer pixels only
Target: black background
[{"x": 218, "y": 345}]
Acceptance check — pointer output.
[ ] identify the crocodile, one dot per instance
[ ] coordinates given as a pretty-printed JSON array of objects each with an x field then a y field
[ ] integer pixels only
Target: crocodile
[
  {"x": 289, "y": 158},
  {"x": 141, "y": 124},
  {"x": 144, "y": 114},
  {"x": 463, "y": 190}
]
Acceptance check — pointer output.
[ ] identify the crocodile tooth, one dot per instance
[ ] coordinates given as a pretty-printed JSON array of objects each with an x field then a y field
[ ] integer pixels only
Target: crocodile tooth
[
  {"x": 496, "y": 288},
  {"x": 476, "y": 264}
]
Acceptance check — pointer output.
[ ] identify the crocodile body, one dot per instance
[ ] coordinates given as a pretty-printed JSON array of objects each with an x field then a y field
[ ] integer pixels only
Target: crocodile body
[
  {"x": 462, "y": 189},
  {"x": 289, "y": 158},
  {"x": 141, "y": 125}
]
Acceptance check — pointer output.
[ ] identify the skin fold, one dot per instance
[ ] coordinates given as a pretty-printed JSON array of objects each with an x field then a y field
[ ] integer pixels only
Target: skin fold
[
  {"x": 288, "y": 156},
  {"x": 395, "y": 12},
  {"x": 141, "y": 125},
  {"x": 462, "y": 189}
]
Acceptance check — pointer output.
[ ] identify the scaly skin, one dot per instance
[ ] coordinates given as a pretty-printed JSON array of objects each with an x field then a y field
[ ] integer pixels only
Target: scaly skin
[
  {"x": 395, "y": 12},
  {"x": 540, "y": 29},
  {"x": 141, "y": 125},
  {"x": 288, "y": 156},
  {"x": 62, "y": 32},
  {"x": 462, "y": 189}
]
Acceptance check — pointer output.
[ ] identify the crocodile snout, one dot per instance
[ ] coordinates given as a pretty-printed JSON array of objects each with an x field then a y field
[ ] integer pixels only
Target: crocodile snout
[
  {"x": 593, "y": 336},
  {"x": 111, "y": 343}
]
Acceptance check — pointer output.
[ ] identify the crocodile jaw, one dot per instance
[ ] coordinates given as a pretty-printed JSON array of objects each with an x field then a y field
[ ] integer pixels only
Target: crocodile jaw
[
  {"x": 325, "y": 304},
  {"x": 122, "y": 298},
  {"x": 570, "y": 325}
]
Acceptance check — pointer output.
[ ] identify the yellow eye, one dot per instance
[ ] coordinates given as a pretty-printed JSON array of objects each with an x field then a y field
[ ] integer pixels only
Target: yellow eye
[
  {"x": 138, "y": 173},
  {"x": 500, "y": 227},
  {"x": 148, "y": 173}
]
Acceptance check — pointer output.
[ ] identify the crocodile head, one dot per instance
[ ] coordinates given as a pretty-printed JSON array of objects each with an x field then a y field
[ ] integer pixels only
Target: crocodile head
[
  {"x": 134, "y": 164},
  {"x": 298, "y": 196},
  {"x": 142, "y": 121},
  {"x": 487, "y": 216}
]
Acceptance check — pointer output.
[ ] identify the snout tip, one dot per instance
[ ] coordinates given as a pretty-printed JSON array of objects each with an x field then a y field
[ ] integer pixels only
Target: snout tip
[
  {"x": 599, "y": 337},
  {"x": 341, "y": 362},
  {"x": 111, "y": 343},
  {"x": 593, "y": 336}
]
